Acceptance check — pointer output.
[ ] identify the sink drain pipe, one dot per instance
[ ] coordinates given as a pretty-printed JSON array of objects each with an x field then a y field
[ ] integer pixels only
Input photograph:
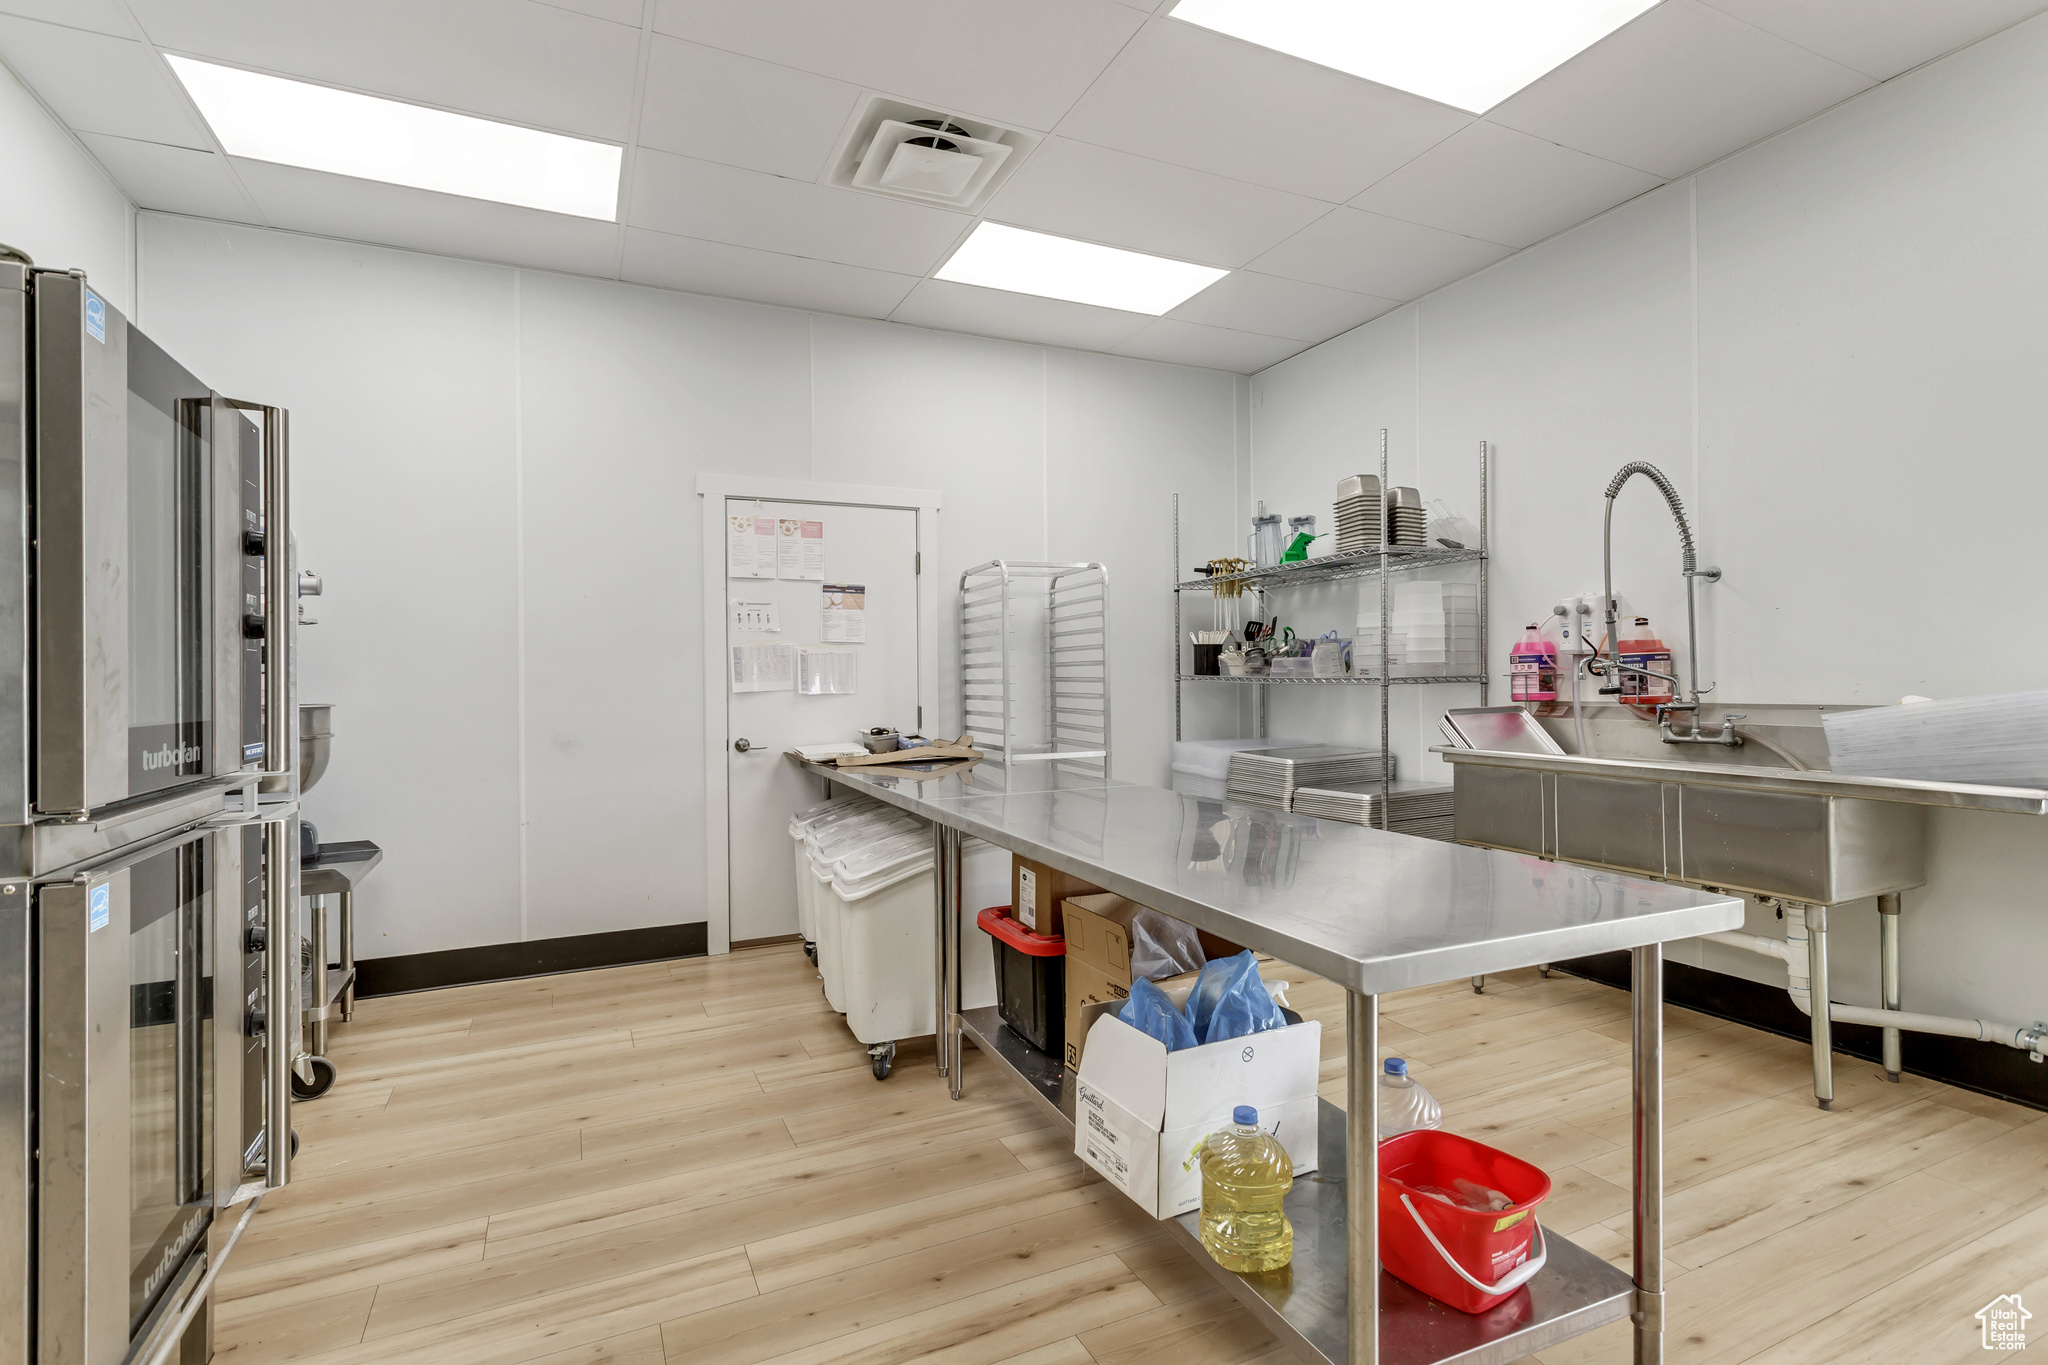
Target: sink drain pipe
[{"x": 1797, "y": 950}]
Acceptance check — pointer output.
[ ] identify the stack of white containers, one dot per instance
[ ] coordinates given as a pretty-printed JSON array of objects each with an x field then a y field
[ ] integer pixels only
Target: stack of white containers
[
  {"x": 820, "y": 816},
  {"x": 864, "y": 898},
  {"x": 1434, "y": 631},
  {"x": 826, "y": 843}
]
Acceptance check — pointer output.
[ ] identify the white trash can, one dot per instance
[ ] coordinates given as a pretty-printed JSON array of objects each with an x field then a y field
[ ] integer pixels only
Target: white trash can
[
  {"x": 824, "y": 847},
  {"x": 884, "y": 903},
  {"x": 824, "y": 814}
]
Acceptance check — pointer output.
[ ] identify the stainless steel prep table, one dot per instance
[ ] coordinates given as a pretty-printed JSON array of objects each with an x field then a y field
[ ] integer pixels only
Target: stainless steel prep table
[{"x": 1372, "y": 912}]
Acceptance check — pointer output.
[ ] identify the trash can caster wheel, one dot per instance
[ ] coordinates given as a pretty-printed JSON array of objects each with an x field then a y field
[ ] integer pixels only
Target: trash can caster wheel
[
  {"x": 882, "y": 1056},
  {"x": 295, "y": 1143},
  {"x": 322, "y": 1082}
]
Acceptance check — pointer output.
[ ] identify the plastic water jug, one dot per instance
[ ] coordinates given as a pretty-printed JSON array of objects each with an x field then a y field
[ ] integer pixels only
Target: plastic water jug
[
  {"x": 1246, "y": 1174},
  {"x": 1404, "y": 1104}
]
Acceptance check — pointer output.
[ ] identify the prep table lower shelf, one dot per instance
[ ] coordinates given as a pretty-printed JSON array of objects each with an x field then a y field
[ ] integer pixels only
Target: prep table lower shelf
[{"x": 1305, "y": 1304}]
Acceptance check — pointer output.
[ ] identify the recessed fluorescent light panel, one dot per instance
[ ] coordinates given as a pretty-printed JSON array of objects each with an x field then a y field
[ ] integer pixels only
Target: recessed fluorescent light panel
[
  {"x": 1471, "y": 54},
  {"x": 998, "y": 257},
  {"x": 268, "y": 118}
]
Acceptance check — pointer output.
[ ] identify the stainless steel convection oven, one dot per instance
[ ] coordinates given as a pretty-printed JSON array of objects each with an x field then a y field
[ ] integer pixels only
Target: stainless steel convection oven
[{"x": 148, "y": 828}]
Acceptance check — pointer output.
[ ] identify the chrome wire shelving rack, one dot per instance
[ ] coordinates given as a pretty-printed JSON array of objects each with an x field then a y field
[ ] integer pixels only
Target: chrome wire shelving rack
[
  {"x": 1021, "y": 707},
  {"x": 1381, "y": 562}
]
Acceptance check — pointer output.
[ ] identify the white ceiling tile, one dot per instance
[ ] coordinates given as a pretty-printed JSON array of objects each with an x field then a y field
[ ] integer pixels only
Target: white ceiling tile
[
  {"x": 101, "y": 16},
  {"x": 1881, "y": 38},
  {"x": 446, "y": 224},
  {"x": 1215, "y": 348},
  {"x": 1020, "y": 62},
  {"x": 172, "y": 179},
  {"x": 1676, "y": 89},
  {"x": 1370, "y": 254},
  {"x": 101, "y": 84},
  {"x": 1246, "y": 301},
  {"x": 720, "y": 106},
  {"x": 618, "y": 11},
  {"x": 516, "y": 60},
  {"x": 1495, "y": 183},
  {"x": 1015, "y": 317},
  {"x": 1198, "y": 98},
  {"x": 739, "y": 272},
  {"x": 690, "y": 198},
  {"x": 1080, "y": 190}
]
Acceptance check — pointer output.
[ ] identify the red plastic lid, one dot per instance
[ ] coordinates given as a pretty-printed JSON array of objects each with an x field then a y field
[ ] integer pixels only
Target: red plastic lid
[{"x": 997, "y": 923}]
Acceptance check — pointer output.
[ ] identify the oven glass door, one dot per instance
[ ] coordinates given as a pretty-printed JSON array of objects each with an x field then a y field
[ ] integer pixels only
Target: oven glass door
[
  {"x": 170, "y": 1067},
  {"x": 169, "y": 698}
]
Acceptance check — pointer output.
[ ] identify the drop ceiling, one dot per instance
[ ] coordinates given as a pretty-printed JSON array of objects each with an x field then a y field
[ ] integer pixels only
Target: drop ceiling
[{"x": 1329, "y": 199}]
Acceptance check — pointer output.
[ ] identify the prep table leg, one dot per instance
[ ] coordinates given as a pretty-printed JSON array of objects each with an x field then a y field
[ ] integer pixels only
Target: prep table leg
[
  {"x": 1888, "y": 966},
  {"x": 949, "y": 877},
  {"x": 939, "y": 944},
  {"x": 318, "y": 1004},
  {"x": 1362, "y": 1174},
  {"x": 1647, "y": 1004},
  {"x": 1823, "y": 1027},
  {"x": 348, "y": 953}
]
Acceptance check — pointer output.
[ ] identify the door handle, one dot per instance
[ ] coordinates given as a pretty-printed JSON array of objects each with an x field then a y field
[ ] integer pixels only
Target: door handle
[
  {"x": 280, "y": 1020},
  {"x": 278, "y": 594},
  {"x": 740, "y": 746}
]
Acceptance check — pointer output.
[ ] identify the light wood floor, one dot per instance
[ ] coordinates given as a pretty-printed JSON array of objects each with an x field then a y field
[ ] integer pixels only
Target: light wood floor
[{"x": 690, "y": 1162}]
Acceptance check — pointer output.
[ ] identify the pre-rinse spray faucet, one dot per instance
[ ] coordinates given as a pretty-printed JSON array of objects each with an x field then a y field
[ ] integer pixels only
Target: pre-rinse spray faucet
[{"x": 1610, "y": 668}]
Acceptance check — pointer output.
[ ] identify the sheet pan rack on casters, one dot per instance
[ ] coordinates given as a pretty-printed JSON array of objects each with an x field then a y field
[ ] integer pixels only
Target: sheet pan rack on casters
[
  {"x": 1370, "y": 923},
  {"x": 1022, "y": 709}
]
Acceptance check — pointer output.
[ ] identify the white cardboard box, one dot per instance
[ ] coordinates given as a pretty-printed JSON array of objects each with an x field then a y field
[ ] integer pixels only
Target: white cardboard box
[{"x": 1141, "y": 1112}]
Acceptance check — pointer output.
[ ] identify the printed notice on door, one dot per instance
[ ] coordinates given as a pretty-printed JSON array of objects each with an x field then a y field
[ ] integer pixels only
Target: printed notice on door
[
  {"x": 846, "y": 614},
  {"x": 755, "y": 615},
  {"x": 799, "y": 548},
  {"x": 827, "y": 672},
  {"x": 763, "y": 666},
  {"x": 749, "y": 547}
]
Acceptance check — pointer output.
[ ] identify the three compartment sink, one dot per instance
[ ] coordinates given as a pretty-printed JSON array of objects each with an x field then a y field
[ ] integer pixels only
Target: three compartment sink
[{"x": 1818, "y": 838}]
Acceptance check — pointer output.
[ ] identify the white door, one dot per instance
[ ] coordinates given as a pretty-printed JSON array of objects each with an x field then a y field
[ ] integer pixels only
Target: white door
[{"x": 874, "y": 548}]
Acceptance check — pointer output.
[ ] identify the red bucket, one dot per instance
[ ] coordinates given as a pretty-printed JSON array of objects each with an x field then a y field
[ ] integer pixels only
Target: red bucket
[{"x": 1470, "y": 1259}]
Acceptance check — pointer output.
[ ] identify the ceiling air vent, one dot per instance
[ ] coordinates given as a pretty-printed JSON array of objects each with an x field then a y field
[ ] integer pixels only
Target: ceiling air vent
[{"x": 926, "y": 157}]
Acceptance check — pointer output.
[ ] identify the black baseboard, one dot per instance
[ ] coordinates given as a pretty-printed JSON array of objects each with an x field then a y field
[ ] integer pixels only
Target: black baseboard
[
  {"x": 1987, "y": 1068},
  {"x": 538, "y": 957}
]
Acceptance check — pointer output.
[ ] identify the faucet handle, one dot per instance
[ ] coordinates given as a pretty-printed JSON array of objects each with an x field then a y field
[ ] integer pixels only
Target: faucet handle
[{"x": 1735, "y": 715}]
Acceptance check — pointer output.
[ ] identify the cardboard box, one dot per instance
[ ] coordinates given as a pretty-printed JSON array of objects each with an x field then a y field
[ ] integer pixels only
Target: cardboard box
[
  {"x": 1098, "y": 934},
  {"x": 1142, "y": 1113},
  {"x": 1036, "y": 892}
]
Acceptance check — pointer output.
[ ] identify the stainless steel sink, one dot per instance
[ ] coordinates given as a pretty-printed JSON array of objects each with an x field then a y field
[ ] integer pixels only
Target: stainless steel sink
[
  {"x": 1815, "y": 837},
  {"x": 1672, "y": 821}
]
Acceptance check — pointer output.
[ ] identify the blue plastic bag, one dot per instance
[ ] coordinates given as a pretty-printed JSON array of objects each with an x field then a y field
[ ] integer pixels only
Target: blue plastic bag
[
  {"x": 1150, "y": 1012},
  {"x": 1229, "y": 1001}
]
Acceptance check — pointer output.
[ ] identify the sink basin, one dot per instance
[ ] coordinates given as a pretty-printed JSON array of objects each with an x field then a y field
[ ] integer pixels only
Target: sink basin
[{"x": 316, "y": 736}]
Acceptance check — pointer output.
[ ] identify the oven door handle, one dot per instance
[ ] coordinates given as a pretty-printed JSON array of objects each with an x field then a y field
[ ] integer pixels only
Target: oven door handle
[
  {"x": 280, "y": 1017},
  {"x": 280, "y": 594}
]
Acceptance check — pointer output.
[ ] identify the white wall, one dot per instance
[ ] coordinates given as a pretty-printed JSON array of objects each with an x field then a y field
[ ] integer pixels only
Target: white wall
[
  {"x": 1833, "y": 344},
  {"x": 56, "y": 203},
  {"x": 495, "y": 471}
]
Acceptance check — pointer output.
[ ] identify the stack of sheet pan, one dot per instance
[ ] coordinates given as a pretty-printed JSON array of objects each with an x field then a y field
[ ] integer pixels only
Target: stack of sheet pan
[{"x": 1270, "y": 777}]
